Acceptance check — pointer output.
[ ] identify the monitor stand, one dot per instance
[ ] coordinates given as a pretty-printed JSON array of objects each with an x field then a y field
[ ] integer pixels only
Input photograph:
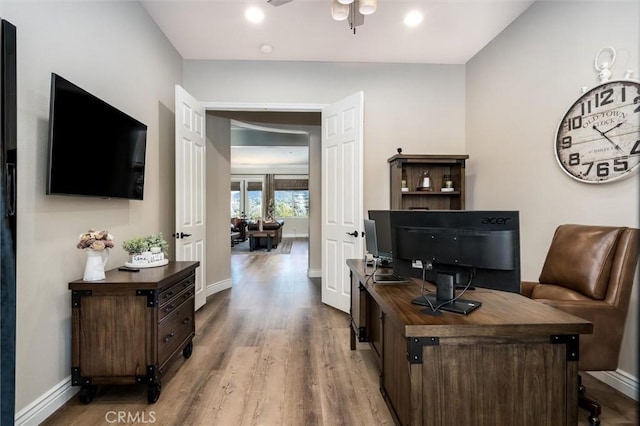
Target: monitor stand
[
  {"x": 458, "y": 306},
  {"x": 385, "y": 263}
]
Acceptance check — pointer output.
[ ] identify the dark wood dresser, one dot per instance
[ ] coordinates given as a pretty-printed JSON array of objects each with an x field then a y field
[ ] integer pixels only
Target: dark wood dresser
[{"x": 128, "y": 328}]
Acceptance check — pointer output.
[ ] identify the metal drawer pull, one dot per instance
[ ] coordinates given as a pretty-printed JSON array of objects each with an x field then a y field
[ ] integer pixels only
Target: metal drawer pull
[
  {"x": 186, "y": 320},
  {"x": 169, "y": 337},
  {"x": 168, "y": 294},
  {"x": 169, "y": 308}
]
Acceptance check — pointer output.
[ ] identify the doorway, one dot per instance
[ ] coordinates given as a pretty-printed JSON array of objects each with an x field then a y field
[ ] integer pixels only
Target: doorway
[{"x": 286, "y": 133}]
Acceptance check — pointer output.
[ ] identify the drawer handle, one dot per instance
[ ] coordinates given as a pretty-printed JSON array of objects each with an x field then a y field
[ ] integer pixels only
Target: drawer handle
[
  {"x": 169, "y": 308},
  {"x": 186, "y": 320},
  {"x": 168, "y": 294},
  {"x": 188, "y": 295},
  {"x": 169, "y": 337}
]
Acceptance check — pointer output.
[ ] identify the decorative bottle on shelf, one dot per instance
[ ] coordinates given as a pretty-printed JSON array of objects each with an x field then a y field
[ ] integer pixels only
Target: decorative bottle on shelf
[
  {"x": 447, "y": 183},
  {"x": 425, "y": 181}
]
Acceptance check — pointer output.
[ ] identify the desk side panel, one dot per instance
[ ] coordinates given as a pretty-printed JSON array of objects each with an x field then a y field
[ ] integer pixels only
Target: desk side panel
[
  {"x": 518, "y": 383},
  {"x": 396, "y": 376}
]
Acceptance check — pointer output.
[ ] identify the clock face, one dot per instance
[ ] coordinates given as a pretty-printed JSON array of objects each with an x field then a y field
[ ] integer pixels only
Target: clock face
[{"x": 598, "y": 140}]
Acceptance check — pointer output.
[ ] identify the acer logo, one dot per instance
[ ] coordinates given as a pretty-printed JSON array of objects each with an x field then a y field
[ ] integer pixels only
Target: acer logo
[{"x": 495, "y": 220}]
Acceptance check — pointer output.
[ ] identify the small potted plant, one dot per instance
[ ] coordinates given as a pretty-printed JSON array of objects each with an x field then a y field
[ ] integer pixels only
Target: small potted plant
[
  {"x": 157, "y": 244},
  {"x": 136, "y": 245}
]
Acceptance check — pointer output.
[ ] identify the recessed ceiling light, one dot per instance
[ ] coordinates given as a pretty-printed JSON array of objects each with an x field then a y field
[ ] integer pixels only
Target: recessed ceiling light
[
  {"x": 266, "y": 48},
  {"x": 254, "y": 14},
  {"x": 413, "y": 18}
]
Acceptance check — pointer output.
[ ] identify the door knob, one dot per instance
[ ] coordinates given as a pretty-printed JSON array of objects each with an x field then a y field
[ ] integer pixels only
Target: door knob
[
  {"x": 353, "y": 234},
  {"x": 181, "y": 235}
]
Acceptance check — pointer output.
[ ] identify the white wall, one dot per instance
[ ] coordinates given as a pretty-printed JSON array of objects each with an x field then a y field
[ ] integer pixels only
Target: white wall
[
  {"x": 116, "y": 52},
  {"x": 518, "y": 88}
]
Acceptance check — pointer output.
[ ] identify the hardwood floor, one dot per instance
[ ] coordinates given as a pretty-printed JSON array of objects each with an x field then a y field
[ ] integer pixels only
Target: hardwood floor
[{"x": 268, "y": 352}]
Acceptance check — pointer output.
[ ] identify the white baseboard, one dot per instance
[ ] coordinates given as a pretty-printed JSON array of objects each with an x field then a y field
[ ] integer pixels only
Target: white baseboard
[
  {"x": 40, "y": 409},
  {"x": 314, "y": 273},
  {"x": 620, "y": 381},
  {"x": 218, "y": 287}
]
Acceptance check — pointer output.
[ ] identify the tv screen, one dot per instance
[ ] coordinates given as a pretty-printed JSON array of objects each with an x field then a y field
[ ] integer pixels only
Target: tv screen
[{"x": 94, "y": 149}]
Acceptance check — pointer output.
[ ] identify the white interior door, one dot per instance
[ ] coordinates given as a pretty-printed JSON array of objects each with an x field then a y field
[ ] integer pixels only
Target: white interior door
[
  {"x": 342, "y": 170},
  {"x": 190, "y": 186}
]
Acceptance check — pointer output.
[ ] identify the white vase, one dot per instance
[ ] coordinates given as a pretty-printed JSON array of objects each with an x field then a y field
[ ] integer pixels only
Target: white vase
[{"x": 96, "y": 261}]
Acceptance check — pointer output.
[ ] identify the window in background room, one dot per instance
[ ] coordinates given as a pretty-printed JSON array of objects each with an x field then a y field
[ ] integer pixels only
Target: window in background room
[
  {"x": 246, "y": 197},
  {"x": 236, "y": 205},
  {"x": 291, "y": 194},
  {"x": 254, "y": 199}
]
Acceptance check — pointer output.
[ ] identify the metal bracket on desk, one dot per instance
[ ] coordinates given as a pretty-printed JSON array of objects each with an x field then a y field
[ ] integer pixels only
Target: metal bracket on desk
[
  {"x": 361, "y": 287},
  {"x": 76, "y": 295},
  {"x": 151, "y": 377},
  {"x": 415, "y": 345},
  {"x": 362, "y": 334},
  {"x": 573, "y": 345},
  {"x": 76, "y": 379},
  {"x": 151, "y": 297}
]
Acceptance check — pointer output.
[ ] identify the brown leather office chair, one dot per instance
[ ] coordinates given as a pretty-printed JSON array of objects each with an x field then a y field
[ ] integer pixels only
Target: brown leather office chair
[{"x": 589, "y": 272}]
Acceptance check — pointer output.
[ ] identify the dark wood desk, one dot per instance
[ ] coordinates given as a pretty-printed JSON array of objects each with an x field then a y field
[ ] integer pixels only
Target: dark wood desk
[{"x": 511, "y": 361}]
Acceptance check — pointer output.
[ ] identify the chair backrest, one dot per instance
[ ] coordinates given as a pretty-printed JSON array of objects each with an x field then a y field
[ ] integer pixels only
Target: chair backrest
[{"x": 581, "y": 258}]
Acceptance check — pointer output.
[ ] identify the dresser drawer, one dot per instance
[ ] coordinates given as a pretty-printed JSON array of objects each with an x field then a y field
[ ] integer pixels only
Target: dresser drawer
[
  {"x": 175, "y": 328},
  {"x": 166, "y": 294},
  {"x": 178, "y": 299}
]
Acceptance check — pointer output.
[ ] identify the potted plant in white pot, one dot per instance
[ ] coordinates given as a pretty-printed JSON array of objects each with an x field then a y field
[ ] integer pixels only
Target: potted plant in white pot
[{"x": 157, "y": 244}]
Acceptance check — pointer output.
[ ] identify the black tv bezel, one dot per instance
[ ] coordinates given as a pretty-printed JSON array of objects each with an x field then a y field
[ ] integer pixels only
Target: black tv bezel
[{"x": 55, "y": 80}]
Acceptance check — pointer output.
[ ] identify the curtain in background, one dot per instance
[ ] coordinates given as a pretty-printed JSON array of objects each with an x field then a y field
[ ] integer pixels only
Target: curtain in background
[
  {"x": 269, "y": 188},
  {"x": 288, "y": 184}
]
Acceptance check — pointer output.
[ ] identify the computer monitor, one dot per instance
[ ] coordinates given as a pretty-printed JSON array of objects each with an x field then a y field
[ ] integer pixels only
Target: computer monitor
[
  {"x": 382, "y": 220},
  {"x": 456, "y": 248}
]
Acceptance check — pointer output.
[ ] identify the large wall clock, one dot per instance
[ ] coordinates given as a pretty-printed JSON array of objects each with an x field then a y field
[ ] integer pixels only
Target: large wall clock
[{"x": 598, "y": 139}]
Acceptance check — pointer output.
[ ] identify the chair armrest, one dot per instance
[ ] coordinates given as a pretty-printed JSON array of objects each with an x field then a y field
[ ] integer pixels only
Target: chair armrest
[
  {"x": 600, "y": 350},
  {"x": 595, "y": 311}
]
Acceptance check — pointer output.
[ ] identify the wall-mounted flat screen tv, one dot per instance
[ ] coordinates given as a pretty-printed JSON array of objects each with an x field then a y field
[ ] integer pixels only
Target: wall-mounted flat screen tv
[{"x": 95, "y": 149}]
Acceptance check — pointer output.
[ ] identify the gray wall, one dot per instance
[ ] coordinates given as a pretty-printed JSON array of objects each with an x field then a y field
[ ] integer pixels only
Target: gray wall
[
  {"x": 218, "y": 169},
  {"x": 417, "y": 107},
  {"x": 518, "y": 88},
  {"x": 116, "y": 52}
]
